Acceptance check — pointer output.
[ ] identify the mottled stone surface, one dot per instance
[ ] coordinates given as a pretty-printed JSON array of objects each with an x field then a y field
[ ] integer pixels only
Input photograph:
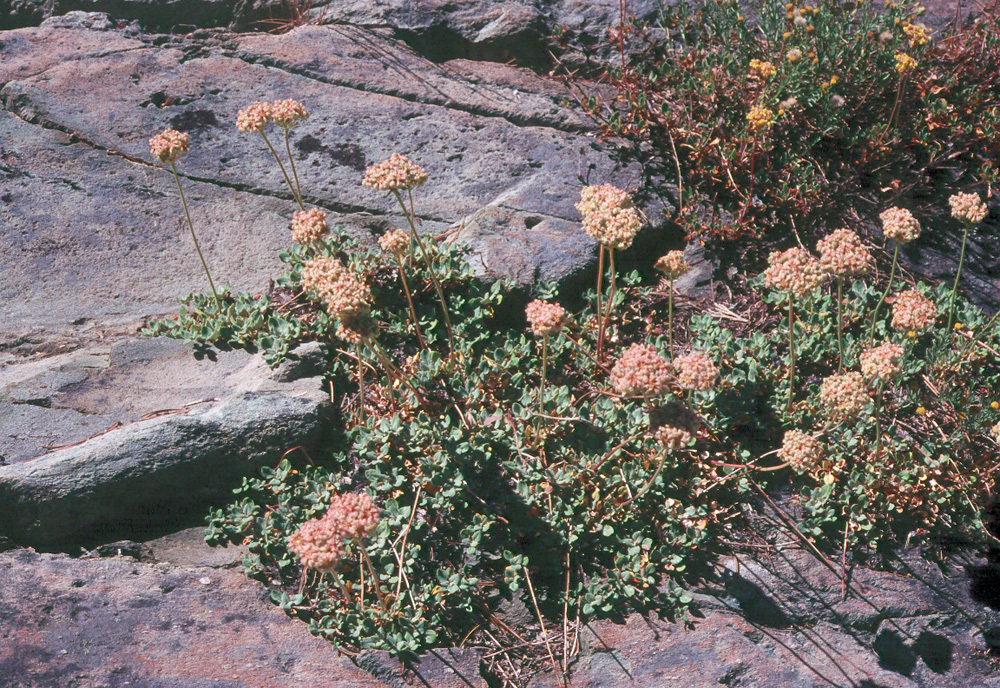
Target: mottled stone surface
[{"x": 96, "y": 623}]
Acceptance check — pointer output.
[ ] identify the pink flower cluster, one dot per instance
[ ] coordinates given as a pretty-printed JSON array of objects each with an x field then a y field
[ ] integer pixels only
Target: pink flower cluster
[
  {"x": 395, "y": 243},
  {"x": 881, "y": 362},
  {"x": 356, "y": 514},
  {"x": 398, "y": 172},
  {"x": 899, "y": 225},
  {"x": 287, "y": 113},
  {"x": 672, "y": 265},
  {"x": 309, "y": 226},
  {"x": 641, "y": 372},
  {"x": 357, "y": 328},
  {"x": 968, "y": 208},
  {"x": 793, "y": 271},
  {"x": 801, "y": 451},
  {"x": 696, "y": 372},
  {"x": 845, "y": 394},
  {"x": 609, "y": 216},
  {"x": 319, "y": 542},
  {"x": 169, "y": 145},
  {"x": 344, "y": 294},
  {"x": 672, "y": 437},
  {"x": 545, "y": 318},
  {"x": 913, "y": 312},
  {"x": 254, "y": 118},
  {"x": 843, "y": 254},
  {"x": 674, "y": 425}
]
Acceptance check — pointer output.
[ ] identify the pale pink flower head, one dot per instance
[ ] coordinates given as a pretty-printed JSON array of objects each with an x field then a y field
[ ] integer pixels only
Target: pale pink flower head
[
  {"x": 609, "y": 215},
  {"x": 309, "y": 226},
  {"x": 843, "y": 254},
  {"x": 545, "y": 318},
  {"x": 881, "y": 362},
  {"x": 696, "y": 372},
  {"x": 641, "y": 372},
  {"x": 398, "y": 172},
  {"x": 794, "y": 272},
  {"x": 801, "y": 451},
  {"x": 169, "y": 145},
  {"x": 343, "y": 293},
  {"x": 913, "y": 312},
  {"x": 899, "y": 225},
  {"x": 968, "y": 208},
  {"x": 287, "y": 113},
  {"x": 254, "y": 118},
  {"x": 357, "y": 328},
  {"x": 845, "y": 394},
  {"x": 674, "y": 425},
  {"x": 396, "y": 243},
  {"x": 673, "y": 265},
  {"x": 672, "y": 437},
  {"x": 355, "y": 514},
  {"x": 319, "y": 544}
]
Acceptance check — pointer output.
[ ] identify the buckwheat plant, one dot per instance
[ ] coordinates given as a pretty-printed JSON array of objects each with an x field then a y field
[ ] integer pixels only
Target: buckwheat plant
[
  {"x": 899, "y": 225},
  {"x": 843, "y": 255},
  {"x": 970, "y": 210},
  {"x": 545, "y": 319},
  {"x": 673, "y": 266},
  {"x": 397, "y": 244},
  {"x": 284, "y": 113},
  {"x": 609, "y": 217},
  {"x": 880, "y": 365},
  {"x": 796, "y": 274},
  {"x": 395, "y": 175},
  {"x": 167, "y": 148}
]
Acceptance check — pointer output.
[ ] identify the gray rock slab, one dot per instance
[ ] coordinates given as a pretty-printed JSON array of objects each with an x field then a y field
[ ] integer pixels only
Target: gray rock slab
[
  {"x": 92, "y": 623},
  {"x": 188, "y": 548},
  {"x": 161, "y": 468}
]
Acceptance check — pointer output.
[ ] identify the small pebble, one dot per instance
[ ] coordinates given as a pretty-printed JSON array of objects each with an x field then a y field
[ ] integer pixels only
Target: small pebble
[{"x": 205, "y": 581}]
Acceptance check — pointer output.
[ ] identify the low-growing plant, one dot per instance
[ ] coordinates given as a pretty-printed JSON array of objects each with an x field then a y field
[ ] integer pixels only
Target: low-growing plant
[
  {"x": 588, "y": 467},
  {"x": 783, "y": 119}
]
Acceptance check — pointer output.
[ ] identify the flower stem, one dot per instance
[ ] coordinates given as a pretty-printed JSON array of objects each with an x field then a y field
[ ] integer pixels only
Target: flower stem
[
  {"x": 611, "y": 303},
  {"x": 371, "y": 569},
  {"x": 958, "y": 275},
  {"x": 197, "y": 248},
  {"x": 600, "y": 286},
  {"x": 888, "y": 286},
  {"x": 409, "y": 300},
  {"x": 291, "y": 161},
  {"x": 394, "y": 371},
  {"x": 541, "y": 386},
  {"x": 283, "y": 172},
  {"x": 840, "y": 323},
  {"x": 427, "y": 262},
  {"x": 361, "y": 386},
  {"x": 791, "y": 353},
  {"x": 878, "y": 425},
  {"x": 670, "y": 320}
]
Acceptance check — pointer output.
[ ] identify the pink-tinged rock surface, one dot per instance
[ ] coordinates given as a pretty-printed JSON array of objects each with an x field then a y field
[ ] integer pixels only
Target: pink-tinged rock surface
[{"x": 81, "y": 623}]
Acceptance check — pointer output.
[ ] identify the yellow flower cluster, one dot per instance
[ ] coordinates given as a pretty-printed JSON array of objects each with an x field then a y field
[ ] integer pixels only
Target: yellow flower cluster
[
  {"x": 765, "y": 70},
  {"x": 917, "y": 34},
  {"x": 904, "y": 63},
  {"x": 759, "y": 118}
]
